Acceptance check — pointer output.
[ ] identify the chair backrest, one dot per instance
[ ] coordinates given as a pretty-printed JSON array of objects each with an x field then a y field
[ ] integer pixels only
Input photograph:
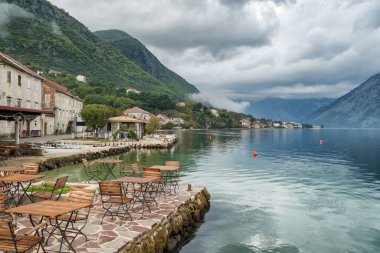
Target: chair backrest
[
  {"x": 2, "y": 201},
  {"x": 60, "y": 183},
  {"x": 135, "y": 168},
  {"x": 6, "y": 231},
  {"x": 31, "y": 168},
  {"x": 152, "y": 172},
  {"x": 173, "y": 163},
  {"x": 110, "y": 188},
  {"x": 81, "y": 195}
]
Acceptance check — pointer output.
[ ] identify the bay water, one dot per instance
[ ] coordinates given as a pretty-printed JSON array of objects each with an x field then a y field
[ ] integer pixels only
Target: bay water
[{"x": 309, "y": 190}]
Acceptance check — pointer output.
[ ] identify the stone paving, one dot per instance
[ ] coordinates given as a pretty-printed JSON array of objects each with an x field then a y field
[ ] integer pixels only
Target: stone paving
[{"x": 111, "y": 236}]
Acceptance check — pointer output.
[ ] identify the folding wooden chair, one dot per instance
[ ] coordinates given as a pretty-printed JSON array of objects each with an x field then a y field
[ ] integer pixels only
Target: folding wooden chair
[
  {"x": 132, "y": 169},
  {"x": 10, "y": 242},
  {"x": 45, "y": 193},
  {"x": 31, "y": 168},
  {"x": 79, "y": 217},
  {"x": 112, "y": 195},
  {"x": 92, "y": 171}
]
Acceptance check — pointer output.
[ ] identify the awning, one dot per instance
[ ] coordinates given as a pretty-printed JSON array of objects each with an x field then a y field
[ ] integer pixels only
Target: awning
[{"x": 8, "y": 112}]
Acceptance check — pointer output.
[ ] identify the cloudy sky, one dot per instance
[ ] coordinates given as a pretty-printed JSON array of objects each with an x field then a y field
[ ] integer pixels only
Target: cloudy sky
[{"x": 249, "y": 49}]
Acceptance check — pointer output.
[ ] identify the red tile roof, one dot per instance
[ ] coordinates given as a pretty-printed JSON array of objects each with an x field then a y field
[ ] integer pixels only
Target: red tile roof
[
  {"x": 58, "y": 87},
  {"x": 17, "y": 65},
  {"x": 136, "y": 110}
]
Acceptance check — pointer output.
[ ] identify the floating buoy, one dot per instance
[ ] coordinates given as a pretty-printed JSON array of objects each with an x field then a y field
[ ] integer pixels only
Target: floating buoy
[
  {"x": 209, "y": 137},
  {"x": 254, "y": 154},
  {"x": 321, "y": 142}
]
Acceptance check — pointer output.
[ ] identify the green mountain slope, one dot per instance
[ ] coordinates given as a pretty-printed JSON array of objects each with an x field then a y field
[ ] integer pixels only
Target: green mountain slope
[
  {"x": 141, "y": 56},
  {"x": 47, "y": 37}
]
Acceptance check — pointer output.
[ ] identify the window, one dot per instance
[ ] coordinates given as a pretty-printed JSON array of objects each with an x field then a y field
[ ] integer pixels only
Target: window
[
  {"x": 19, "y": 80},
  {"x": 18, "y": 102},
  {"x": 9, "y": 77},
  {"x": 47, "y": 97},
  {"x": 28, "y": 83},
  {"x": 9, "y": 101}
]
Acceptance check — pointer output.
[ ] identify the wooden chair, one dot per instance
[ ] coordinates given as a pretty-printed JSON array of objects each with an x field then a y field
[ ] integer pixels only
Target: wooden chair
[
  {"x": 82, "y": 196},
  {"x": 11, "y": 242},
  {"x": 158, "y": 185},
  {"x": 173, "y": 163},
  {"x": 132, "y": 169},
  {"x": 4, "y": 156},
  {"x": 45, "y": 193},
  {"x": 173, "y": 177},
  {"x": 112, "y": 195},
  {"x": 92, "y": 172},
  {"x": 31, "y": 168}
]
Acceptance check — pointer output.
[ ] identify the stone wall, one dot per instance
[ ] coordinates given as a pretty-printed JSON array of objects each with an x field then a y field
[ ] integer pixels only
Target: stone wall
[
  {"x": 115, "y": 148},
  {"x": 174, "y": 230}
]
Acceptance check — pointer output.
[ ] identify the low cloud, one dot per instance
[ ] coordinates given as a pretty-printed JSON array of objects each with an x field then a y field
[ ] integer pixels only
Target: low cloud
[
  {"x": 220, "y": 100},
  {"x": 252, "y": 48},
  {"x": 7, "y": 12}
]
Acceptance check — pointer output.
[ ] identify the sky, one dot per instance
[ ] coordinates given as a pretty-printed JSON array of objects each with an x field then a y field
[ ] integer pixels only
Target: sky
[{"x": 236, "y": 51}]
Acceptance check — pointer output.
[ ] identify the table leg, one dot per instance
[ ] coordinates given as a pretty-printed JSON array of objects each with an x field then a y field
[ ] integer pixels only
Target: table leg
[{"x": 24, "y": 189}]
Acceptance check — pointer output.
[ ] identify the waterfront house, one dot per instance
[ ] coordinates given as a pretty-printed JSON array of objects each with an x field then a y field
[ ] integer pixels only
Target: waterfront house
[
  {"x": 115, "y": 123},
  {"x": 65, "y": 106},
  {"x": 21, "y": 113},
  {"x": 163, "y": 119},
  {"x": 138, "y": 113},
  {"x": 246, "y": 123}
]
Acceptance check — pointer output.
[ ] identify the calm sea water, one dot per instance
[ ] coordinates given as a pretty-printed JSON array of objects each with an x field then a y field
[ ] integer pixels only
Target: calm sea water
[{"x": 296, "y": 196}]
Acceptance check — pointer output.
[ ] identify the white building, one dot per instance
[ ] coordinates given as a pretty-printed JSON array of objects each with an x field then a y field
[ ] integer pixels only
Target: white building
[
  {"x": 215, "y": 113},
  {"x": 131, "y": 90},
  {"x": 246, "y": 123},
  {"x": 138, "y": 113},
  {"x": 65, "y": 106},
  {"x": 81, "y": 78},
  {"x": 20, "y": 100}
]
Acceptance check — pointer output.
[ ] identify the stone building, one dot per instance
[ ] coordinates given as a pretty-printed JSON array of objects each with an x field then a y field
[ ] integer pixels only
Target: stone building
[
  {"x": 65, "y": 106},
  {"x": 138, "y": 113},
  {"x": 20, "y": 100}
]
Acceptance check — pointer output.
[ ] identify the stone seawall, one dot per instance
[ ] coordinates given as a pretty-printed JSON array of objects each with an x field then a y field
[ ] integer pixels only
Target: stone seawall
[
  {"x": 174, "y": 230},
  {"x": 108, "y": 149}
]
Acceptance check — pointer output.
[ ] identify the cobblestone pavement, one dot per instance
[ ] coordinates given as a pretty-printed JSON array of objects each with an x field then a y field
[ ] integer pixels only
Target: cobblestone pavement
[{"x": 111, "y": 236}]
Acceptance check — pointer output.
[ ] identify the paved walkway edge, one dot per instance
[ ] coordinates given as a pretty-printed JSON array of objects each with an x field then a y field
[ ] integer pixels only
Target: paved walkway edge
[{"x": 174, "y": 230}]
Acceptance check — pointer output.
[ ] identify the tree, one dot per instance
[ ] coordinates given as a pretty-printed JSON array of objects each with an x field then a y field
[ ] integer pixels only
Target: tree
[
  {"x": 96, "y": 116},
  {"x": 153, "y": 125}
]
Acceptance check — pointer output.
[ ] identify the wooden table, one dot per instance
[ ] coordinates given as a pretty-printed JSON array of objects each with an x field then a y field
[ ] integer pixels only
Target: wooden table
[
  {"x": 109, "y": 165},
  {"x": 139, "y": 193},
  {"x": 51, "y": 209},
  {"x": 170, "y": 175},
  {"x": 19, "y": 180},
  {"x": 7, "y": 170}
]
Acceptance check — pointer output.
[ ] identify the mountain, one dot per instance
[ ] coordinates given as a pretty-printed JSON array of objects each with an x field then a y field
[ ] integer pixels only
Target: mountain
[
  {"x": 134, "y": 50},
  {"x": 358, "y": 108},
  {"x": 285, "y": 109},
  {"x": 45, "y": 37}
]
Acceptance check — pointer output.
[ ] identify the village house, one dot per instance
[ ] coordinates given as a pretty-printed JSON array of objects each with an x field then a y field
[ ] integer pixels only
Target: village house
[
  {"x": 138, "y": 113},
  {"x": 177, "y": 121},
  {"x": 81, "y": 78},
  {"x": 65, "y": 106},
  {"x": 181, "y": 104},
  {"x": 215, "y": 113},
  {"x": 246, "y": 123},
  {"x": 163, "y": 119},
  {"x": 20, "y": 100},
  {"x": 131, "y": 90}
]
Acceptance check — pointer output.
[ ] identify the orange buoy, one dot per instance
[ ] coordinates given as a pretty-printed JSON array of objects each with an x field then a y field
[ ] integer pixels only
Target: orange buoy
[
  {"x": 321, "y": 142},
  {"x": 254, "y": 154}
]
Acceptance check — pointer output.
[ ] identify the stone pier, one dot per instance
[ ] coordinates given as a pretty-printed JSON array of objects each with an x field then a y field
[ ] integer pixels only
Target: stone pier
[{"x": 170, "y": 224}]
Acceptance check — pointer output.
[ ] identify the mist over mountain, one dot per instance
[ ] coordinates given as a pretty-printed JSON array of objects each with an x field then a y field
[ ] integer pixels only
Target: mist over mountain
[
  {"x": 45, "y": 37},
  {"x": 359, "y": 108},
  {"x": 285, "y": 109}
]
